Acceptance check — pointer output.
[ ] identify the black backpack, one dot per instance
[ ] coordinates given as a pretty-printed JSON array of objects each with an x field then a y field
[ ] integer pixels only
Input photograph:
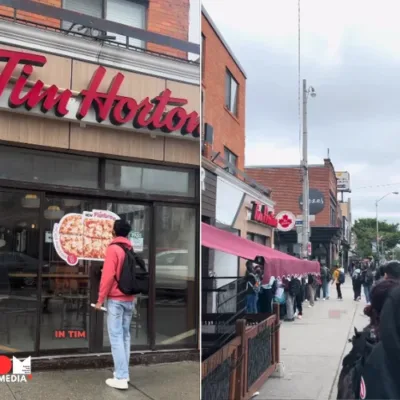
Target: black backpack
[
  {"x": 133, "y": 280},
  {"x": 350, "y": 376}
]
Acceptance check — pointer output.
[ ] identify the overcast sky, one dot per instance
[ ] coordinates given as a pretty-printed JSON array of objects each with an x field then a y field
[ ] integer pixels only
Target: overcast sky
[{"x": 350, "y": 54}]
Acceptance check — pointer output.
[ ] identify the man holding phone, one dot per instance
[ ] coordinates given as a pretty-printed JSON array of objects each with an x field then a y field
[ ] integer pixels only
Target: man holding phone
[{"x": 119, "y": 305}]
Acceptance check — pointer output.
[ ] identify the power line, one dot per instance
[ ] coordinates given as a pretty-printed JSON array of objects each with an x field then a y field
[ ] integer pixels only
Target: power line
[
  {"x": 376, "y": 186},
  {"x": 299, "y": 69}
]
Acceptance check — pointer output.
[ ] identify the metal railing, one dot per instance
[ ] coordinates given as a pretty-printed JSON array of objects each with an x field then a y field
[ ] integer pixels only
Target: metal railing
[{"x": 94, "y": 28}]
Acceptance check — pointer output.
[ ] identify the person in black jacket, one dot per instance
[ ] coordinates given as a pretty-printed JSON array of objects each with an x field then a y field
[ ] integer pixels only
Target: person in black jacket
[
  {"x": 380, "y": 374},
  {"x": 392, "y": 270}
]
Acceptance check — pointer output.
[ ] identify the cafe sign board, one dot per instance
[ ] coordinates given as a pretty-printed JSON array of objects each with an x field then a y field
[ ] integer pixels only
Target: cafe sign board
[
  {"x": 316, "y": 201},
  {"x": 162, "y": 115},
  {"x": 343, "y": 181}
]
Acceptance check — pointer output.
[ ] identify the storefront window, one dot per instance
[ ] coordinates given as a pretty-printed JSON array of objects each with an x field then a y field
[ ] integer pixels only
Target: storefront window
[
  {"x": 142, "y": 179},
  {"x": 65, "y": 287},
  {"x": 19, "y": 266},
  {"x": 138, "y": 217},
  {"x": 43, "y": 167},
  {"x": 176, "y": 292},
  {"x": 260, "y": 239}
]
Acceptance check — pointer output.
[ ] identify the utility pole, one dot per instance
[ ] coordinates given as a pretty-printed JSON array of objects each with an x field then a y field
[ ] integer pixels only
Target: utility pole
[{"x": 304, "y": 164}]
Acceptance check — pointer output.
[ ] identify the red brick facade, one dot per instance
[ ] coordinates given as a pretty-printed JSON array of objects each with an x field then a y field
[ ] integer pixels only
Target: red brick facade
[
  {"x": 286, "y": 186},
  {"x": 167, "y": 17},
  {"x": 229, "y": 130}
]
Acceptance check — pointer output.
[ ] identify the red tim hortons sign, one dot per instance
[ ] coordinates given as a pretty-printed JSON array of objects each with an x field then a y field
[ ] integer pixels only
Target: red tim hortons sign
[
  {"x": 92, "y": 105},
  {"x": 260, "y": 213}
]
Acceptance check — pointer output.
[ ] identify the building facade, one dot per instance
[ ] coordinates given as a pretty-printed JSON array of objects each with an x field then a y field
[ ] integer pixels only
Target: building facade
[
  {"x": 230, "y": 199},
  {"x": 325, "y": 222},
  {"x": 94, "y": 127}
]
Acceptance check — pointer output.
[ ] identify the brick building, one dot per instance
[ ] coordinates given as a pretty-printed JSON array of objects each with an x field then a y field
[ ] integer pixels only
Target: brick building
[
  {"x": 285, "y": 183},
  {"x": 166, "y": 17},
  {"x": 96, "y": 124}
]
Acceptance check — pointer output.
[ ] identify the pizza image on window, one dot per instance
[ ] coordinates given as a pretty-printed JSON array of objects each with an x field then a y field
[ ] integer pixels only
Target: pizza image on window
[
  {"x": 71, "y": 224},
  {"x": 84, "y": 236}
]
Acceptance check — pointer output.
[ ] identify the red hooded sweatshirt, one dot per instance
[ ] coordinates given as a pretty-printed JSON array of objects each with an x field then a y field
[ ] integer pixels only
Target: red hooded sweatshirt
[{"x": 112, "y": 267}]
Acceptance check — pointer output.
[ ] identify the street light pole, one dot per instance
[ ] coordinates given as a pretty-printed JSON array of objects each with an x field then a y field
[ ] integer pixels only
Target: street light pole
[
  {"x": 377, "y": 222},
  {"x": 306, "y": 202},
  {"x": 304, "y": 165}
]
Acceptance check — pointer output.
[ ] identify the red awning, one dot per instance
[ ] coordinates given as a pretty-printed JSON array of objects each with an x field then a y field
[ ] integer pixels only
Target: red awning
[{"x": 277, "y": 263}]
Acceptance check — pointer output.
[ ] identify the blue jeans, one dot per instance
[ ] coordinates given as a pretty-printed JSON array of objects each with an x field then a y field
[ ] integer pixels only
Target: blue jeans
[
  {"x": 325, "y": 289},
  {"x": 367, "y": 293},
  {"x": 119, "y": 317},
  {"x": 251, "y": 303}
]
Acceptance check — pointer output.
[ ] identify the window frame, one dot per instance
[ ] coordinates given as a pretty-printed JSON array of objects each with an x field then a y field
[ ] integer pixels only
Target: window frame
[
  {"x": 229, "y": 78},
  {"x": 251, "y": 236},
  {"x": 227, "y": 156}
]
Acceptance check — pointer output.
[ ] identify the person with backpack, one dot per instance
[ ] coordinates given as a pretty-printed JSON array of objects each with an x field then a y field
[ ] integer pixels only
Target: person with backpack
[
  {"x": 380, "y": 373},
  {"x": 338, "y": 279},
  {"x": 357, "y": 283},
  {"x": 252, "y": 288},
  {"x": 364, "y": 342},
  {"x": 367, "y": 275},
  {"x": 118, "y": 286},
  {"x": 324, "y": 281}
]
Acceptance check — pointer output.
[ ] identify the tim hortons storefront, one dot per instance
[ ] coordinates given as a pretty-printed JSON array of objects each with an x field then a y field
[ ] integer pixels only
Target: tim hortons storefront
[{"x": 81, "y": 145}]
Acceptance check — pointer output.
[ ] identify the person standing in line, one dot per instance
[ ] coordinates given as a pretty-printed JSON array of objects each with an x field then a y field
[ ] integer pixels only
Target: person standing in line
[
  {"x": 311, "y": 290},
  {"x": 357, "y": 283},
  {"x": 392, "y": 270},
  {"x": 298, "y": 299},
  {"x": 324, "y": 282},
  {"x": 338, "y": 279},
  {"x": 367, "y": 282},
  {"x": 119, "y": 306},
  {"x": 289, "y": 286},
  {"x": 252, "y": 286}
]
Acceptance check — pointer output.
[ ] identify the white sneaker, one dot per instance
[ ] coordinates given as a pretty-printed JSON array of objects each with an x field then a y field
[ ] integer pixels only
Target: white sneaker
[
  {"x": 121, "y": 384},
  {"x": 299, "y": 316},
  {"x": 324, "y": 299},
  {"x": 128, "y": 380},
  {"x": 309, "y": 306}
]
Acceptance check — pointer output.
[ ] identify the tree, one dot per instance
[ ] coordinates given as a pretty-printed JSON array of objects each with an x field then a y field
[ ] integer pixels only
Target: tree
[{"x": 365, "y": 231}]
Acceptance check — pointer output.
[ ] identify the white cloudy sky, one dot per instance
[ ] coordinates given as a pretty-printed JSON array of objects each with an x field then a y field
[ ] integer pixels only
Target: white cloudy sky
[{"x": 350, "y": 53}]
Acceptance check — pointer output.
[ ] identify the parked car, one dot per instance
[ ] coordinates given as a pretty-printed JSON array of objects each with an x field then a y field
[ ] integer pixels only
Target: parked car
[{"x": 172, "y": 271}]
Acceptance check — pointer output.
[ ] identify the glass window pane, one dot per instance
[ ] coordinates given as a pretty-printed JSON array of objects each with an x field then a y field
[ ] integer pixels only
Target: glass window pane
[
  {"x": 228, "y": 89},
  {"x": 141, "y": 179},
  {"x": 233, "y": 98},
  {"x": 45, "y": 167},
  {"x": 175, "y": 313},
  {"x": 139, "y": 218},
  {"x": 19, "y": 266},
  {"x": 65, "y": 287}
]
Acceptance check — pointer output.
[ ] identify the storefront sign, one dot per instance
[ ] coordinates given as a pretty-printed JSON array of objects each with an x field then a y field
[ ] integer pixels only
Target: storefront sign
[
  {"x": 316, "y": 201},
  {"x": 286, "y": 221},
  {"x": 260, "y": 213},
  {"x": 70, "y": 334},
  {"x": 343, "y": 181},
  {"x": 136, "y": 239},
  {"x": 92, "y": 106},
  {"x": 84, "y": 236}
]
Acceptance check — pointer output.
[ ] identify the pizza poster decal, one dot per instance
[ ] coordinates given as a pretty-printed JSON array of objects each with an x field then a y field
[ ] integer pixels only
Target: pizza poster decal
[{"x": 84, "y": 236}]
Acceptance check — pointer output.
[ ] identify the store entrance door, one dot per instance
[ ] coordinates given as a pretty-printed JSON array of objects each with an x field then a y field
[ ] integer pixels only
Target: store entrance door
[{"x": 70, "y": 275}]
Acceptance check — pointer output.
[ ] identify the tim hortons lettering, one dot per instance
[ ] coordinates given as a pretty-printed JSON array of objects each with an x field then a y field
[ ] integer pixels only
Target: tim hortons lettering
[
  {"x": 119, "y": 110},
  {"x": 260, "y": 213}
]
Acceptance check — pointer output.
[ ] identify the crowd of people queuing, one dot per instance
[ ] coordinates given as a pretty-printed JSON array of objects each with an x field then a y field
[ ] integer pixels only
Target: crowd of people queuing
[
  {"x": 291, "y": 292},
  {"x": 371, "y": 369}
]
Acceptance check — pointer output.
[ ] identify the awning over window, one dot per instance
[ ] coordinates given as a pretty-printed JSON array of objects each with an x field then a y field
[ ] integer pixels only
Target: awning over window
[{"x": 276, "y": 262}]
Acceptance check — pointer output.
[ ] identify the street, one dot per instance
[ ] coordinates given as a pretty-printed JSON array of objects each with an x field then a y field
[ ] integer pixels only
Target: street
[
  {"x": 178, "y": 381},
  {"x": 312, "y": 348}
]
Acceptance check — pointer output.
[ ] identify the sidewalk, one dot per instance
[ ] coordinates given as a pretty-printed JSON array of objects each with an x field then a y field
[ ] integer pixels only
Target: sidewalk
[
  {"x": 178, "y": 381},
  {"x": 312, "y": 348}
]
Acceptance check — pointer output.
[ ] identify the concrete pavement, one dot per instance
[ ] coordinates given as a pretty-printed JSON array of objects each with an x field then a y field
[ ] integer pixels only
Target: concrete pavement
[
  {"x": 312, "y": 348},
  {"x": 178, "y": 381}
]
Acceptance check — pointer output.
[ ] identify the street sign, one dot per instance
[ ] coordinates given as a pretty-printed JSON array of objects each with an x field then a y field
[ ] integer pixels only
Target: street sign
[
  {"x": 299, "y": 222},
  {"x": 309, "y": 249}
]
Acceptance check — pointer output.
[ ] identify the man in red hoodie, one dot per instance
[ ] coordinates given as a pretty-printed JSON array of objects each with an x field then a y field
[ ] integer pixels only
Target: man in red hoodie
[{"x": 119, "y": 306}]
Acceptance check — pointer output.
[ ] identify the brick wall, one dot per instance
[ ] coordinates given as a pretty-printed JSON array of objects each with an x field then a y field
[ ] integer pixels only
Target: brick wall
[
  {"x": 286, "y": 186},
  {"x": 229, "y": 130},
  {"x": 167, "y": 17}
]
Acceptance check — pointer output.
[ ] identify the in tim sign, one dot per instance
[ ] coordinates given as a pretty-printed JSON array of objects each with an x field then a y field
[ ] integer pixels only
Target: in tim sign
[
  {"x": 92, "y": 106},
  {"x": 260, "y": 213}
]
